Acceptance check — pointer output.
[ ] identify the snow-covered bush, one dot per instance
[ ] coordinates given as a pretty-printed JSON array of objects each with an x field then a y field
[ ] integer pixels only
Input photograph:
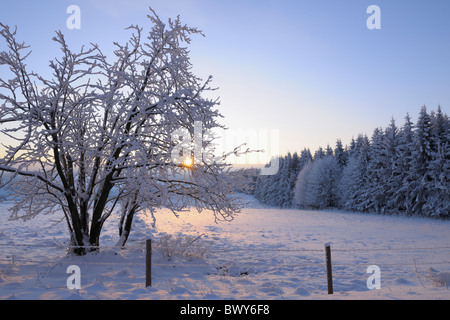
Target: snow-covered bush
[{"x": 171, "y": 246}]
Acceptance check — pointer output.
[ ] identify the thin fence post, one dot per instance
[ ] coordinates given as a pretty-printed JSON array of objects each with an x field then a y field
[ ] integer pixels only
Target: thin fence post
[
  {"x": 329, "y": 269},
  {"x": 148, "y": 263}
]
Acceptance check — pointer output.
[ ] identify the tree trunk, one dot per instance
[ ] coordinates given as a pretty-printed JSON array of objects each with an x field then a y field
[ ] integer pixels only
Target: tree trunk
[
  {"x": 97, "y": 219},
  {"x": 126, "y": 221},
  {"x": 78, "y": 235},
  {"x": 78, "y": 247}
]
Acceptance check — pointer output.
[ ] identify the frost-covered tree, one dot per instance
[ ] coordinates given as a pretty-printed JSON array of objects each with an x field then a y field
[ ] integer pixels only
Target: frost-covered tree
[
  {"x": 377, "y": 173},
  {"x": 422, "y": 154},
  {"x": 340, "y": 154},
  {"x": 438, "y": 201},
  {"x": 278, "y": 190},
  {"x": 402, "y": 168},
  {"x": 319, "y": 154},
  {"x": 305, "y": 158},
  {"x": 329, "y": 151},
  {"x": 354, "y": 181},
  {"x": 439, "y": 129},
  {"x": 324, "y": 181},
  {"x": 301, "y": 197},
  {"x": 293, "y": 170},
  {"x": 274, "y": 189},
  {"x": 97, "y": 136},
  {"x": 317, "y": 184},
  {"x": 391, "y": 146},
  {"x": 284, "y": 188}
]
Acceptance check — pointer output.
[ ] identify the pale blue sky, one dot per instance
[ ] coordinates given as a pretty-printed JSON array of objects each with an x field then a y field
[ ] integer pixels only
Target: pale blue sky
[{"x": 310, "y": 68}]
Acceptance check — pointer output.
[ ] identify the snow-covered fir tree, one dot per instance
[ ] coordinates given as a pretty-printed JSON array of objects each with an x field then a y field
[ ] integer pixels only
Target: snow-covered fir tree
[
  {"x": 354, "y": 178},
  {"x": 397, "y": 170},
  {"x": 402, "y": 166}
]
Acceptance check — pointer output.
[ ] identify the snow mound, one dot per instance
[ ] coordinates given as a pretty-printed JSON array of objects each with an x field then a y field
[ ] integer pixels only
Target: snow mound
[{"x": 438, "y": 279}]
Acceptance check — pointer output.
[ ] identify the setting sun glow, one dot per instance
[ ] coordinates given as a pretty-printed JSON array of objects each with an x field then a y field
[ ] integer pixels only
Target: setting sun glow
[{"x": 188, "y": 162}]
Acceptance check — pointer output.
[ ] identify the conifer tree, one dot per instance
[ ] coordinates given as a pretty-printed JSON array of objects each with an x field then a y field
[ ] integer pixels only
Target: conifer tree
[
  {"x": 402, "y": 167},
  {"x": 422, "y": 155}
]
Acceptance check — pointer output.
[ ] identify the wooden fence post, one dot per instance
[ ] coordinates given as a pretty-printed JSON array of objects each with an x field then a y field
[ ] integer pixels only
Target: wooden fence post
[
  {"x": 148, "y": 263},
  {"x": 329, "y": 269}
]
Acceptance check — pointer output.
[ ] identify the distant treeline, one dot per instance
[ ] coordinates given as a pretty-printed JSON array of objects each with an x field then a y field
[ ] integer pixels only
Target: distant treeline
[{"x": 397, "y": 170}]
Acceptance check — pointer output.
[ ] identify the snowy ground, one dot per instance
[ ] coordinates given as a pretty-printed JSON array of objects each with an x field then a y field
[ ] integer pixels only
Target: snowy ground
[{"x": 264, "y": 254}]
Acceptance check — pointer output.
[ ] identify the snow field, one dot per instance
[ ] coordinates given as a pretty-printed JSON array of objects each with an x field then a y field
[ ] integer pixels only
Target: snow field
[{"x": 263, "y": 254}]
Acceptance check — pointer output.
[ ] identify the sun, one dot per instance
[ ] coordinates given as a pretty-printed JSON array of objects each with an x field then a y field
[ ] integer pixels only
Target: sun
[{"x": 188, "y": 162}]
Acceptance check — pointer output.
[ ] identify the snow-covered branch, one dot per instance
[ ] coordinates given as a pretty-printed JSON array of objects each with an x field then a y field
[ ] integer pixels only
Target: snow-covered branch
[{"x": 97, "y": 134}]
